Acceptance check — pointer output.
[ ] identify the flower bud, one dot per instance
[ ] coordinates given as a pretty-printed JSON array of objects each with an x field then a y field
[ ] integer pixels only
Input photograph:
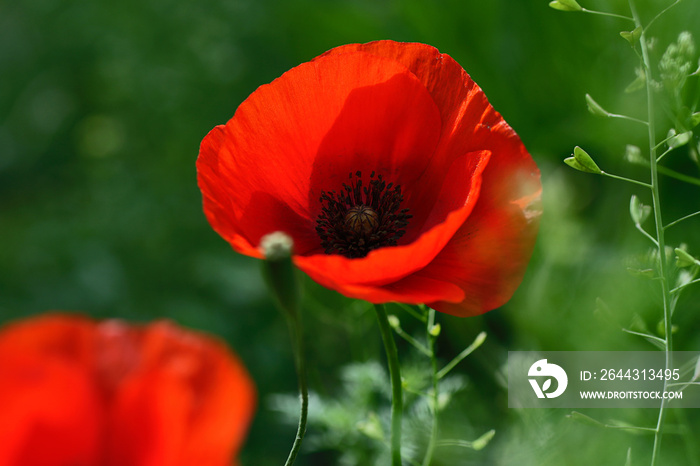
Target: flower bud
[
  {"x": 638, "y": 211},
  {"x": 565, "y": 5},
  {"x": 683, "y": 259},
  {"x": 595, "y": 108},
  {"x": 279, "y": 271},
  {"x": 581, "y": 161}
]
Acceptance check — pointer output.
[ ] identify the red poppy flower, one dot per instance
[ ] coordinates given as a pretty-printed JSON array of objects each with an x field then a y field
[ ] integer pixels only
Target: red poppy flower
[
  {"x": 77, "y": 392},
  {"x": 390, "y": 170}
]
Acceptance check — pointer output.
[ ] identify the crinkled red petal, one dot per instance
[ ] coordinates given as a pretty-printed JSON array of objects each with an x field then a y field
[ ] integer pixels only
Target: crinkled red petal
[
  {"x": 306, "y": 132},
  {"x": 487, "y": 256}
]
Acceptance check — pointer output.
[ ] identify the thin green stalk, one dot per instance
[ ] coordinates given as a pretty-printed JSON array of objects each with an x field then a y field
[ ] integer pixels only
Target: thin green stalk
[
  {"x": 603, "y": 13},
  {"x": 392, "y": 357},
  {"x": 659, "y": 228},
  {"x": 679, "y": 288},
  {"x": 681, "y": 219},
  {"x": 661, "y": 13},
  {"x": 434, "y": 401},
  {"x": 629, "y": 180},
  {"x": 628, "y": 118},
  {"x": 281, "y": 277},
  {"x": 295, "y": 331},
  {"x": 466, "y": 352},
  {"x": 679, "y": 176}
]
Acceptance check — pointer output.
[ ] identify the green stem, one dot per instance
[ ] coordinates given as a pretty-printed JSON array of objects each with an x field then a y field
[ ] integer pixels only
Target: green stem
[
  {"x": 659, "y": 228},
  {"x": 392, "y": 357},
  {"x": 628, "y": 118},
  {"x": 295, "y": 330},
  {"x": 679, "y": 288},
  {"x": 681, "y": 219},
  {"x": 659, "y": 15},
  {"x": 679, "y": 176},
  {"x": 629, "y": 180},
  {"x": 603, "y": 13},
  {"x": 281, "y": 276},
  {"x": 434, "y": 401},
  {"x": 466, "y": 352}
]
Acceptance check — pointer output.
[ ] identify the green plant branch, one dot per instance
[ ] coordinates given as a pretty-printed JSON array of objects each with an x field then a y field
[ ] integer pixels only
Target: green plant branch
[
  {"x": 660, "y": 14},
  {"x": 396, "y": 388},
  {"x": 681, "y": 219},
  {"x": 295, "y": 330},
  {"x": 466, "y": 352},
  {"x": 661, "y": 341},
  {"x": 645, "y": 233},
  {"x": 629, "y": 180},
  {"x": 666, "y": 152},
  {"x": 656, "y": 198},
  {"x": 394, "y": 323},
  {"x": 628, "y": 118},
  {"x": 431, "y": 337},
  {"x": 603, "y": 13},
  {"x": 411, "y": 311},
  {"x": 679, "y": 288},
  {"x": 679, "y": 176}
]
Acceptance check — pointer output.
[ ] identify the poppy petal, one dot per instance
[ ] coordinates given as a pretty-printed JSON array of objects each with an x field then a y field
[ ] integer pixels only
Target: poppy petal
[
  {"x": 487, "y": 257},
  {"x": 187, "y": 402},
  {"x": 473, "y": 192},
  {"x": 387, "y": 265},
  {"x": 51, "y": 411},
  {"x": 283, "y": 145}
]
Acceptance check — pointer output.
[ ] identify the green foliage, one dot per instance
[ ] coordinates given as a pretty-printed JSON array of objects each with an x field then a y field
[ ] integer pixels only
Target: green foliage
[{"x": 581, "y": 161}]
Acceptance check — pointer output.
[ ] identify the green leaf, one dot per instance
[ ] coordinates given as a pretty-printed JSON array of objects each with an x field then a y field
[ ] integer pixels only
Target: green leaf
[
  {"x": 371, "y": 427},
  {"x": 642, "y": 273},
  {"x": 595, "y": 108},
  {"x": 633, "y": 154},
  {"x": 638, "y": 83},
  {"x": 580, "y": 417},
  {"x": 679, "y": 139},
  {"x": 628, "y": 461},
  {"x": 581, "y": 161},
  {"x": 638, "y": 211},
  {"x": 695, "y": 119},
  {"x": 565, "y": 5},
  {"x": 661, "y": 328},
  {"x": 638, "y": 325},
  {"x": 631, "y": 428},
  {"x": 683, "y": 259},
  {"x": 603, "y": 312},
  {"x": 696, "y": 373},
  {"x": 632, "y": 36},
  {"x": 484, "y": 440},
  {"x": 477, "y": 444}
]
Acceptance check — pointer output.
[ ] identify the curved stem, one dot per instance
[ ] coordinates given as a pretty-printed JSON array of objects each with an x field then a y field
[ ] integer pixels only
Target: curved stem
[
  {"x": 660, "y": 14},
  {"x": 295, "y": 330},
  {"x": 392, "y": 357},
  {"x": 628, "y": 118},
  {"x": 681, "y": 219},
  {"x": 434, "y": 399},
  {"x": 603, "y": 13}
]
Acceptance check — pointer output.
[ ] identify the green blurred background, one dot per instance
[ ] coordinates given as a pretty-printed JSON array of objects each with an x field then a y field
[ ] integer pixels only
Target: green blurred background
[{"x": 102, "y": 109}]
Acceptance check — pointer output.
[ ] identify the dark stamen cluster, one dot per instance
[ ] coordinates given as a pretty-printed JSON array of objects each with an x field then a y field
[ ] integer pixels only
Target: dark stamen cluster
[{"x": 360, "y": 219}]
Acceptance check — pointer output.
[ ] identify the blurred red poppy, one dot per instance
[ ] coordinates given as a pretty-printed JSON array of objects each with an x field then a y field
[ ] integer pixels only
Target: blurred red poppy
[
  {"x": 390, "y": 170},
  {"x": 83, "y": 393}
]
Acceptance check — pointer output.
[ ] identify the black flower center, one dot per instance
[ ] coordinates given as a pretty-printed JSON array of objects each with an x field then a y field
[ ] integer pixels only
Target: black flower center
[{"x": 358, "y": 220}]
